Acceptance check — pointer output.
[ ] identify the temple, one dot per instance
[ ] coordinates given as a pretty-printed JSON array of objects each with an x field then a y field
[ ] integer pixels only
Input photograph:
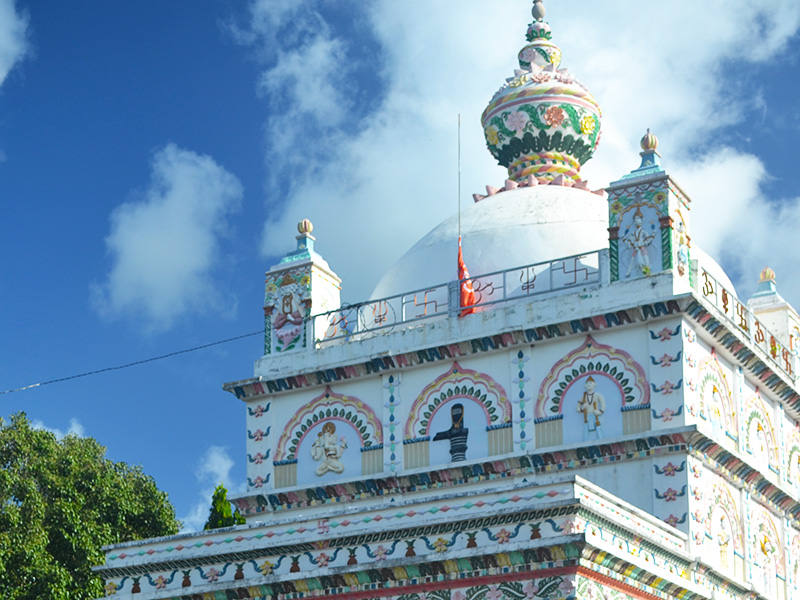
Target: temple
[{"x": 593, "y": 413}]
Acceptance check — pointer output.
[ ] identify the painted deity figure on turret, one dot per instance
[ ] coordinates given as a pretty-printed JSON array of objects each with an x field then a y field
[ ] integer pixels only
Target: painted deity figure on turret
[{"x": 639, "y": 241}]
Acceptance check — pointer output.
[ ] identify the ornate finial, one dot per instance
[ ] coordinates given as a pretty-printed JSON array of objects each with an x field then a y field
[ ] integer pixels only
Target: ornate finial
[
  {"x": 538, "y": 10},
  {"x": 543, "y": 122},
  {"x": 649, "y": 141},
  {"x": 766, "y": 275},
  {"x": 305, "y": 227}
]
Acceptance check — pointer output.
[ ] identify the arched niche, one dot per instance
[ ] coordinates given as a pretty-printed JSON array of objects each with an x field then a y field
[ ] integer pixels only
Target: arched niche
[
  {"x": 792, "y": 464},
  {"x": 716, "y": 400},
  {"x": 459, "y": 399},
  {"x": 724, "y": 529},
  {"x": 760, "y": 441},
  {"x": 331, "y": 437},
  {"x": 767, "y": 552},
  {"x": 594, "y": 392}
]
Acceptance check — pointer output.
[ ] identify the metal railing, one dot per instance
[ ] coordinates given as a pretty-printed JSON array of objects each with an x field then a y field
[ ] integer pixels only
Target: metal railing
[
  {"x": 779, "y": 354},
  {"x": 374, "y": 316}
]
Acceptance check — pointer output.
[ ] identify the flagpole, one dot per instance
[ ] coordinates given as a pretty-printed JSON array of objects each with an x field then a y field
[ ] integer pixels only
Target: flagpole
[{"x": 459, "y": 178}]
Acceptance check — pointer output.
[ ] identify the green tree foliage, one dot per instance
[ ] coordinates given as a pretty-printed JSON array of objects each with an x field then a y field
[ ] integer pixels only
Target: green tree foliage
[
  {"x": 220, "y": 514},
  {"x": 60, "y": 502}
]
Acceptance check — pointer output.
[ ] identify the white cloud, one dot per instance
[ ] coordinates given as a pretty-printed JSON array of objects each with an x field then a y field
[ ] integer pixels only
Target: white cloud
[
  {"x": 379, "y": 186},
  {"x": 165, "y": 245},
  {"x": 13, "y": 37},
  {"x": 214, "y": 468},
  {"x": 75, "y": 428}
]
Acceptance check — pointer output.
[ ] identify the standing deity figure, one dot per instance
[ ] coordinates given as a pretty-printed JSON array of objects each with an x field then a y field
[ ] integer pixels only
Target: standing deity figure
[
  {"x": 457, "y": 434},
  {"x": 593, "y": 406},
  {"x": 328, "y": 449},
  {"x": 639, "y": 241},
  {"x": 723, "y": 539}
]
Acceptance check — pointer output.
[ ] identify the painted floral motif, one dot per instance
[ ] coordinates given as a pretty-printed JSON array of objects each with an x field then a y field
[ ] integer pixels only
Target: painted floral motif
[
  {"x": 616, "y": 207},
  {"x": 323, "y": 559},
  {"x": 111, "y": 588},
  {"x": 258, "y": 435},
  {"x": 554, "y": 116},
  {"x": 503, "y": 536},
  {"x": 587, "y": 124},
  {"x": 212, "y": 575},
  {"x": 258, "y": 458},
  {"x": 258, "y": 481},
  {"x": 381, "y": 552},
  {"x": 541, "y": 77},
  {"x": 530, "y": 589},
  {"x": 674, "y": 521},
  {"x": 440, "y": 545},
  {"x": 667, "y": 387},
  {"x": 160, "y": 582},
  {"x": 492, "y": 136},
  {"x": 494, "y": 593},
  {"x": 266, "y": 568},
  {"x": 669, "y": 470},
  {"x": 516, "y": 121},
  {"x": 528, "y": 55}
]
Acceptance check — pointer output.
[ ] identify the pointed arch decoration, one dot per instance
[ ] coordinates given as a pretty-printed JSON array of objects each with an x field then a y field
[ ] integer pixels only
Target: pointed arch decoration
[
  {"x": 590, "y": 358},
  {"x": 329, "y": 406},
  {"x": 721, "y": 500},
  {"x": 716, "y": 400},
  {"x": 760, "y": 439},
  {"x": 458, "y": 382},
  {"x": 792, "y": 465}
]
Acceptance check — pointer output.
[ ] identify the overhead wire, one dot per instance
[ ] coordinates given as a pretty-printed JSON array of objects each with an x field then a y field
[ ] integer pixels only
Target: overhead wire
[{"x": 131, "y": 364}]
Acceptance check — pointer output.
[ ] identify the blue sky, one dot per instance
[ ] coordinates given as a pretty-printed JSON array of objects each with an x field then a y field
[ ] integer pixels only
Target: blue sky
[{"x": 155, "y": 157}]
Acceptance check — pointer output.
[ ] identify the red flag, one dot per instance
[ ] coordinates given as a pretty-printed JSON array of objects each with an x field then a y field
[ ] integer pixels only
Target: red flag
[{"x": 467, "y": 299}]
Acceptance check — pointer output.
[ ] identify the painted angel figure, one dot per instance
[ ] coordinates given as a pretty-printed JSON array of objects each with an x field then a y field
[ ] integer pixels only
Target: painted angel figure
[
  {"x": 639, "y": 242},
  {"x": 593, "y": 405},
  {"x": 328, "y": 449}
]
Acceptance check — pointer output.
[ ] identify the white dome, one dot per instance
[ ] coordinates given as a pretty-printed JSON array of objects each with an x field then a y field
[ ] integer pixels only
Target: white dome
[{"x": 510, "y": 229}]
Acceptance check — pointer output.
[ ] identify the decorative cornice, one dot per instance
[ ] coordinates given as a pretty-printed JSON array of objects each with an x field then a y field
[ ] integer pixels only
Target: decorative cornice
[{"x": 249, "y": 389}]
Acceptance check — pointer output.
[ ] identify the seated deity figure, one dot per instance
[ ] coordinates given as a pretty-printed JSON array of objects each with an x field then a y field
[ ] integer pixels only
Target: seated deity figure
[
  {"x": 593, "y": 406},
  {"x": 457, "y": 434},
  {"x": 328, "y": 449},
  {"x": 288, "y": 322},
  {"x": 639, "y": 242}
]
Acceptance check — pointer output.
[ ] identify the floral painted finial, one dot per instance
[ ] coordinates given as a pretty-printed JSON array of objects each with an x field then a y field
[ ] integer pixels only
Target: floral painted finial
[{"x": 543, "y": 124}]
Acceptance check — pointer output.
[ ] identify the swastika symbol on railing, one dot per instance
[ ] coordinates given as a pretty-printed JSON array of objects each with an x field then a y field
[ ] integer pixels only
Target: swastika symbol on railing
[
  {"x": 576, "y": 268},
  {"x": 424, "y": 304}
]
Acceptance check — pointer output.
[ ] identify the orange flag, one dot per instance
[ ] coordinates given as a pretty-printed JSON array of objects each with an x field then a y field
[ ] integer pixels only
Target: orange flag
[{"x": 467, "y": 300}]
